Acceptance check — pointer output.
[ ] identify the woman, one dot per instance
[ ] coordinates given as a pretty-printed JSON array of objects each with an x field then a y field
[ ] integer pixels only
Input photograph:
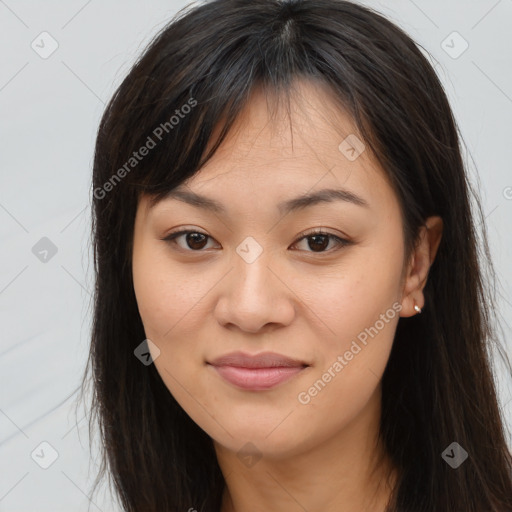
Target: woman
[{"x": 290, "y": 312}]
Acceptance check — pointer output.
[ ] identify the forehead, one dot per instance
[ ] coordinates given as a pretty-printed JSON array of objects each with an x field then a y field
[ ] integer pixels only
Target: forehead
[
  {"x": 306, "y": 123},
  {"x": 271, "y": 154}
]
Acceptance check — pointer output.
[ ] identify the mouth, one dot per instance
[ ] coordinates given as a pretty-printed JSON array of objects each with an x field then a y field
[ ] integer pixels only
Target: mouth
[{"x": 259, "y": 372}]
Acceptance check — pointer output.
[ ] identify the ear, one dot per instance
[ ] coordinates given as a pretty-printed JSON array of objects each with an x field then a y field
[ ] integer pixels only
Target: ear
[{"x": 417, "y": 270}]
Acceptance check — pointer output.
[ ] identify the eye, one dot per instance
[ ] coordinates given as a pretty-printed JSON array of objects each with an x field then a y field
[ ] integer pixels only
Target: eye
[
  {"x": 320, "y": 240},
  {"x": 195, "y": 241}
]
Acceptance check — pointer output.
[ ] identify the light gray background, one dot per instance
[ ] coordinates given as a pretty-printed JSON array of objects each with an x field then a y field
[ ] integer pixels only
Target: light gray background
[{"x": 50, "y": 109}]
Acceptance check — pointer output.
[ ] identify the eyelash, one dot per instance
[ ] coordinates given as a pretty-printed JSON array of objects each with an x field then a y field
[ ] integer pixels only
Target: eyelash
[{"x": 342, "y": 242}]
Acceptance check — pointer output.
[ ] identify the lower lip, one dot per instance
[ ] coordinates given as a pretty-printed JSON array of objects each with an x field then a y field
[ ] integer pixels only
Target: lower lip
[{"x": 257, "y": 379}]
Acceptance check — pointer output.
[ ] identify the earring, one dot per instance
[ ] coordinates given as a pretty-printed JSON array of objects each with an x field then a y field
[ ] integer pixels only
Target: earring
[{"x": 417, "y": 308}]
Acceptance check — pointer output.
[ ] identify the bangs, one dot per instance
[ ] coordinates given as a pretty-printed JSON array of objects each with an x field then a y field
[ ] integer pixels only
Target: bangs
[{"x": 159, "y": 132}]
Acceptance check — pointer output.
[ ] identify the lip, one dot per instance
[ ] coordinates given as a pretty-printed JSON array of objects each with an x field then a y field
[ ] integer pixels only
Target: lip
[{"x": 257, "y": 372}]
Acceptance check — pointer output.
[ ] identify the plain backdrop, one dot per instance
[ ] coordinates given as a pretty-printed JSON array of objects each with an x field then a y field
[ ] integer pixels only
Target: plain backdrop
[{"x": 50, "y": 106}]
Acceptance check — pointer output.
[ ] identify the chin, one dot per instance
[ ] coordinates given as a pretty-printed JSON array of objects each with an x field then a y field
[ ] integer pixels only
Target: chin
[{"x": 272, "y": 443}]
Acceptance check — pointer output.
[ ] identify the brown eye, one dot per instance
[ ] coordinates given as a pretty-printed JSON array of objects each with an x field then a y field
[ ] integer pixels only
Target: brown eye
[
  {"x": 318, "y": 241},
  {"x": 196, "y": 240},
  {"x": 193, "y": 240}
]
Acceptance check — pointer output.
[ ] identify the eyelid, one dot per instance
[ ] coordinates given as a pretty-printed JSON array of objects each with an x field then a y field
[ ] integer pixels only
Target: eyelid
[{"x": 341, "y": 241}]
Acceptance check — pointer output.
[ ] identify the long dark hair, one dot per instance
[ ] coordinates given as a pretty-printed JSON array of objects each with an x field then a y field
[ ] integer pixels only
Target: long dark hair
[{"x": 438, "y": 386}]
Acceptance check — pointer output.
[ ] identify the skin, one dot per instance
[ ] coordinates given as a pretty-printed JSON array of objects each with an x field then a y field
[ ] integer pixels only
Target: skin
[{"x": 202, "y": 300}]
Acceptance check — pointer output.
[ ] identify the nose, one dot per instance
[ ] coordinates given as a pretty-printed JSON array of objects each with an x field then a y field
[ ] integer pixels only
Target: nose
[{"x": 254, "y": 297}]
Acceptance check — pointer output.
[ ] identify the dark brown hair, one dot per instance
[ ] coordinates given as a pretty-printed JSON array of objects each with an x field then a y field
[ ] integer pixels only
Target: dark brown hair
[{"x": 438, "y": 385}]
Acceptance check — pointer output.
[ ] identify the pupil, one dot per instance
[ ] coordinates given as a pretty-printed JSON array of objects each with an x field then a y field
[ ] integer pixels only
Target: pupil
[
  {"x": 192, "y": 237},
  {"x": 321, "y": 246}
]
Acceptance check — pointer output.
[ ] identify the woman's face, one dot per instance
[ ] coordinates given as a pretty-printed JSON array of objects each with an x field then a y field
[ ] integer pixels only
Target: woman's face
[{"x": 250, "y": 280}]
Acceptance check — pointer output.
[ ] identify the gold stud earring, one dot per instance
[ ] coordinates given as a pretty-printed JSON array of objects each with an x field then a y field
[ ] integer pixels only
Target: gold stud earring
[{"x": 417, "y": 308}]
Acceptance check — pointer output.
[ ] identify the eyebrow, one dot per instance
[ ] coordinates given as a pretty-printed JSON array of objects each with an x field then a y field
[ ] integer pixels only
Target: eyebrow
[{"x": 326, "y": 195}]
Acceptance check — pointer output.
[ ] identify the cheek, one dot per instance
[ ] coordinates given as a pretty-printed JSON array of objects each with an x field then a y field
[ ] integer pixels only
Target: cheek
[
  {"x": 150, "y": 295},
  {"x": 350, "y": 369},
  {"x": 353, "y": 296},
  {"x": 163, "y": 294},
  {"x": 361, "y": 310},
  {"x": 169, "y": 305}
]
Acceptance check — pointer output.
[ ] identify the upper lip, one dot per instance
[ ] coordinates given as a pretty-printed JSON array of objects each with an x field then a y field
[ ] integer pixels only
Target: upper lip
[{"x": 262, "y": 360}]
